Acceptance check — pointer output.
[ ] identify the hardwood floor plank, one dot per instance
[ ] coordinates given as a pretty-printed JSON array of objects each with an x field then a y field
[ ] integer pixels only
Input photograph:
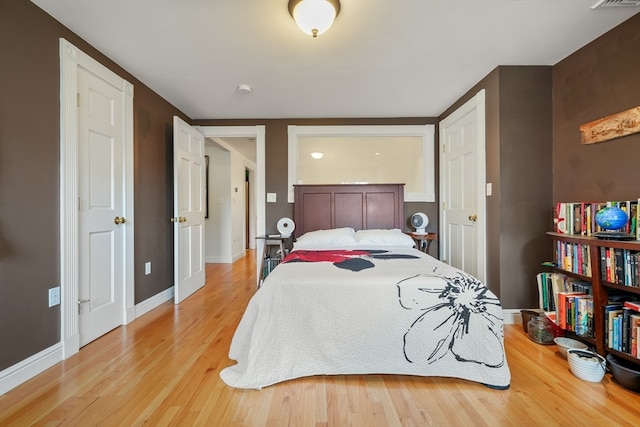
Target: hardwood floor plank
[{"x": 163, "y": 370}]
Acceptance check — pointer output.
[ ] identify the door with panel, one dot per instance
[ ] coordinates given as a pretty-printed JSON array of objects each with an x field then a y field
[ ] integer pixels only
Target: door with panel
[
  {"x": 462, "y": 183},
  {"x": 101, "y": 203},
  {"x": 189, "y": 209}
]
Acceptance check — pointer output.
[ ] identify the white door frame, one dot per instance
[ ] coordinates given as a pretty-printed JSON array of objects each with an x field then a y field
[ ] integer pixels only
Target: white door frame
[
  {"x": 257, "y": 132},
  {"x": 70, "y": 59},
  {"x": 474, "y": 105}
]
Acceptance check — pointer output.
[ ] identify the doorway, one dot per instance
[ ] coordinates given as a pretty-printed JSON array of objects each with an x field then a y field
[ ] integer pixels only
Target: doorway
[
  {"x": 236, "y": 140},
  {"x": 247, "y": 210}
]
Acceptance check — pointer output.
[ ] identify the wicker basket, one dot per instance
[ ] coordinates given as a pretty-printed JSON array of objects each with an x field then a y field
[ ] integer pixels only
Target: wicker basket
[{"x": 586, "y": 365}]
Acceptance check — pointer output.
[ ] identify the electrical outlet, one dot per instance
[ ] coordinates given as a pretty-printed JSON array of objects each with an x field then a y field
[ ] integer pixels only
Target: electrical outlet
[
  {"x": 54, "y": 296},
  {"x": 147, "y": 268}
]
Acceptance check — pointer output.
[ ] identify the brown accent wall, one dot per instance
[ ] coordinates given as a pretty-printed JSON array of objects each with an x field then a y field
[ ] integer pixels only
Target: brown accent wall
[
  {"x": 29, "y": 179},
  {"x": 596, "y": 81},
  {"x": 600, "y": 79},
  {"x": 276, "y": 162},
  {"x": 518, "y": 165}
]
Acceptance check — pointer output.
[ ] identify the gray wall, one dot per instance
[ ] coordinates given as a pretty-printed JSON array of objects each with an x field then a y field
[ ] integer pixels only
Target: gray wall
[
  {"x": 596, "y": 81},
  {"x": 29, "y": 180},
  {"x": 518, "y": 164}
]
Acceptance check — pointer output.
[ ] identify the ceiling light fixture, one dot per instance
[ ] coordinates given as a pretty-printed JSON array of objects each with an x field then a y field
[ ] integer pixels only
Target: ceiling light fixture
[
  {"x": 314, "y": 16},
  {"x": 317, "y": 155}
]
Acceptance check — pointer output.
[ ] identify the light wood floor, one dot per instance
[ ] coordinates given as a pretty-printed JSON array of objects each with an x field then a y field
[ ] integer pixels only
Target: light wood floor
[{"x": 163, "y": 368}]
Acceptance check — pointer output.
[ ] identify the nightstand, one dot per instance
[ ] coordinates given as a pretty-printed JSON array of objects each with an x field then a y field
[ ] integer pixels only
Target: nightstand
[
  {"x": 269, "y": 258},
  {"x": 423, "y": 241}
]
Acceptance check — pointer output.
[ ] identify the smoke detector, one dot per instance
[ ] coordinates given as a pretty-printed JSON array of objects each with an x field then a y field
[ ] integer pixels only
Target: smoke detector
[
  {"x": 615, "y": 3},
  {"x": 244, "y": 89}
]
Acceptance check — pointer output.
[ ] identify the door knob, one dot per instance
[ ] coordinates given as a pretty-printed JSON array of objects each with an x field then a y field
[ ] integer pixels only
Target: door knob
[
  {"x": 119, "y": 220},
  {"x": 178, "y": 219},
  {"x": 473, "y": 218},
  {"x": 182, "y": 219}
]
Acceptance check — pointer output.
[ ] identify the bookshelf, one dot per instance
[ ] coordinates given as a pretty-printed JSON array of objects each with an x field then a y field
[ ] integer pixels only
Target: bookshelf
[{"x": 604, "y": 287}]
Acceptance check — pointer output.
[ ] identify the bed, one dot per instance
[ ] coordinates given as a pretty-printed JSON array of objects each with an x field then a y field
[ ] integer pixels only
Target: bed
[{"x": 362, "y": 300}]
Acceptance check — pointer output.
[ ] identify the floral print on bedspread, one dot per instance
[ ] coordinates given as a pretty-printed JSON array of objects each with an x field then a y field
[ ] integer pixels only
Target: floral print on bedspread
[
  {"x": 349, "y": 259},
  {"x": 463, "y": 315}
]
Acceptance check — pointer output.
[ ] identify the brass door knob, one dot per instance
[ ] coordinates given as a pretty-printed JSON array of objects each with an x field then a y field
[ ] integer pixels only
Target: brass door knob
[
  {"x": 178, "y": 219},
  {"x": 182, "y": 219},
  {"x": 119, "y": 220},
  {"x": 473, "y": 218}
]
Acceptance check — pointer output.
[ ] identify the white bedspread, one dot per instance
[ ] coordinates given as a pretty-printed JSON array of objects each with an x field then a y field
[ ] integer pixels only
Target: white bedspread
[{"x": 413, "y": 316}]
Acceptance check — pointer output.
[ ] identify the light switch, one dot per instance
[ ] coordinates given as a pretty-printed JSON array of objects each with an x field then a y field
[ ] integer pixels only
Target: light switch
[
  {"x": 271, "y": 197},
  {"x": 489, "y": 188}
]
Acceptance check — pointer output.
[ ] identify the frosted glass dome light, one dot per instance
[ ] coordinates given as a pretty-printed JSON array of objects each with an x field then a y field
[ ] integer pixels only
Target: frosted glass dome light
[{"x": 314, "y": 17}]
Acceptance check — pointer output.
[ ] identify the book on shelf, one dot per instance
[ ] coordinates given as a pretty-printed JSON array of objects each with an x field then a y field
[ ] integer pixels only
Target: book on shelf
[
  {"x": 613, "y": 326},
  {"x": 560, "y": 218},
  {"x": 551, "y": 315},
  {"x": 590, "y": 322},
  {"x": 634, "y": 326},
  {"x": 626, "y": 329},
  {"x": 579, "y": 217},
  {"x": 610, "y": 311},
  {"x": 578, "y": 209},
  {"x": 583, "y": 315},
  {"x": 633, "y": 305},
  {"x": 564, "y": 312},
  {"x": 573, "y": 257},
  {"x": 620, "y": 266},
  {"x": 545, "y": 294},
  {"x": 633, "y": 218},
  {"x": 550, "y": 284}
]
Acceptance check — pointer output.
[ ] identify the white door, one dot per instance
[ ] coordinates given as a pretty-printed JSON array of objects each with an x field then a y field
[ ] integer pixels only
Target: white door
[
  {"x": 101, "y": 191},
  {"x": 462, "y": 184},
  {"x": 189, "y": 209}
]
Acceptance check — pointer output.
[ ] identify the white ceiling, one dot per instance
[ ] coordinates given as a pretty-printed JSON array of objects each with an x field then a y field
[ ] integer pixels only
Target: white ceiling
[{"x": 382, "y": 58}]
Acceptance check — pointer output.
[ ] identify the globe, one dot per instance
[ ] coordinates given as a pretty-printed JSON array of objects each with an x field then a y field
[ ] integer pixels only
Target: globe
[{"x": 611, "y": 218}]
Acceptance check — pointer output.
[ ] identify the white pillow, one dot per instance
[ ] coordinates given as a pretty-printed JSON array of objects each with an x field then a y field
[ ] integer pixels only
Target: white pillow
[
  {"x": 392, "y": 237},
  {"x": 337, "y": 237}
]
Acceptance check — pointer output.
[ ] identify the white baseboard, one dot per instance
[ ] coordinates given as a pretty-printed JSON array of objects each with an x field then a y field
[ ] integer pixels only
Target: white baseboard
[
  {"x": 150, "y": 303},
  {"x": 28, "y": 368},
  {"x": 511, "y": 316},
  {"x": 238, "y": 256},
  {"x": 23, "y": 371},
  {"x": 216, "y": 260}
]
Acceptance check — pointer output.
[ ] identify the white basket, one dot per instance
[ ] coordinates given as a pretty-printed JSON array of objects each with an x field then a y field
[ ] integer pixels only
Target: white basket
[
  {"x": 565, "y": 344},
  {"x": 586, "y": 365}
]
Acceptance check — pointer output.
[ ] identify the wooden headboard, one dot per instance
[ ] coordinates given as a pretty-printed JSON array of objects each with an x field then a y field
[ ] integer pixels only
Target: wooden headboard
[{"x": 360, "y": 206}]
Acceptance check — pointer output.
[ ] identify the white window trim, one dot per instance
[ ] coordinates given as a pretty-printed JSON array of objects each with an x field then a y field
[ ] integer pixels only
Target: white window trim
[{"x": 425, "y": 131}]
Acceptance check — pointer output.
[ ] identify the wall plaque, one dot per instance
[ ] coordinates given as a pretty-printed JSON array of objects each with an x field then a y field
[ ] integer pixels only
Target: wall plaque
[{"x": 610, "y": 127}]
